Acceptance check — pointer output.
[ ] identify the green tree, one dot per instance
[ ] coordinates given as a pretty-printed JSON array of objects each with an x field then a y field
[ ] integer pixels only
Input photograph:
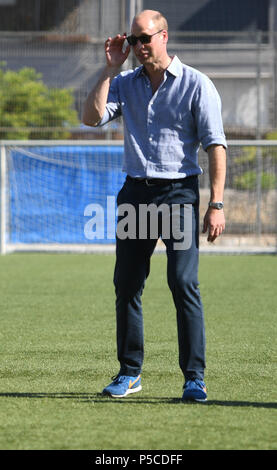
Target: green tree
[
  {"x": 271, "y": 135},
  {"x": 246, "y": 164},
  {"x": 248, "y": 180},
  {"x": 26, "y": 102}
]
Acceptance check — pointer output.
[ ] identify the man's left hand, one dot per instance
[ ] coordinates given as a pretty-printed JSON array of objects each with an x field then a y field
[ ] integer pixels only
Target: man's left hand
[{"x": 214, "y": 222}]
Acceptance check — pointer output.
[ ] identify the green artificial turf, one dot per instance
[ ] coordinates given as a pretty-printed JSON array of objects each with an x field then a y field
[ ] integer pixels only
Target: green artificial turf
[{"x": 58, "y": 351}]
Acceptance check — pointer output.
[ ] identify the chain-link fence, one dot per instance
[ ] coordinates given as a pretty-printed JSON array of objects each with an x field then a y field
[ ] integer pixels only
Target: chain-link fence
[
  {"x": 63, "y": 42},
  {"x": 242, "y": 67},
  {"x": 52, "y": 57},
  {"x": 250, "y": 191}
]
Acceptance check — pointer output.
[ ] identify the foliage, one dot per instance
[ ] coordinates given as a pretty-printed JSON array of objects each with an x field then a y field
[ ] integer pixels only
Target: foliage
[
  {"x": 248, "y": 180},
  {"x": 248, "y": 155},
  {"x": 271, "y": 135},
  {"x": 247, "y": 162},
  {"x": 26, "y": 102}
]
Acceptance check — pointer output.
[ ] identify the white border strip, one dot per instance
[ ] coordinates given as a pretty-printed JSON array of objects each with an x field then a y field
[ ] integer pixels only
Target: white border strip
[
  {"x": 95, "y": 143},
  {"x": 110, "y": 249}
]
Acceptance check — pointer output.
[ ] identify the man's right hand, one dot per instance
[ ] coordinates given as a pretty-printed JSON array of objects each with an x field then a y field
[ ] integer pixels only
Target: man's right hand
[
  {"x": 94, "y": 106},
  {"x": 115, "y": 56}
]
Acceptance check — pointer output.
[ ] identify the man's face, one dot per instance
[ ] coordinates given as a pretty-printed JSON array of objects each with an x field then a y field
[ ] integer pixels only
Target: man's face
[{"x": 148, "y": 53}]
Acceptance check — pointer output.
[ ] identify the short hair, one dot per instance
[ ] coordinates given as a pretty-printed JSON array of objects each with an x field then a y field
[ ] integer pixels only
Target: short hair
[
  {"x": 161, "y": 20},
  {"x": 156, "y": 17}
]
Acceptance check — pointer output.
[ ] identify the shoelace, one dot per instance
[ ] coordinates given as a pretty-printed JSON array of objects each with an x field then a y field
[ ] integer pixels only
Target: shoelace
[
  {"x": 117, "y": 379},
  {"x": 196, "y": 381}
]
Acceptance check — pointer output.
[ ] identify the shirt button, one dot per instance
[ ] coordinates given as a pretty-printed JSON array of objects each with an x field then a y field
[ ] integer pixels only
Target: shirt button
[{"x": 150, "y": 138}]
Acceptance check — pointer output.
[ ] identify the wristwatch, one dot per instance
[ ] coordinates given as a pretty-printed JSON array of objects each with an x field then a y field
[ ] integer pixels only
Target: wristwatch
[{"x": 216, "y": 205}]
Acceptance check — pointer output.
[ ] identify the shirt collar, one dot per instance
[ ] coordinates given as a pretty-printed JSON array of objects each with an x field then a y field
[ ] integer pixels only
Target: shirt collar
[
  {"x": 175, "y": 68},
  {"x": 139, "y": 71}
]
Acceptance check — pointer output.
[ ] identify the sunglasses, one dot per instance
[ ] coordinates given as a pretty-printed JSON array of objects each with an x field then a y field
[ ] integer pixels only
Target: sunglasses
[{"x": 144, "y": 38}]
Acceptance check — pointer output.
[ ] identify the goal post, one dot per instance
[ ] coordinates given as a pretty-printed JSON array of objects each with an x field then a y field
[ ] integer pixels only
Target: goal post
[{"x": 3, "y": 198}]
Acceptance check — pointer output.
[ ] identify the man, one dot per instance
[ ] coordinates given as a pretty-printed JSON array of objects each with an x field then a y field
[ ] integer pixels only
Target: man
[{"x": 168, "y": 109}]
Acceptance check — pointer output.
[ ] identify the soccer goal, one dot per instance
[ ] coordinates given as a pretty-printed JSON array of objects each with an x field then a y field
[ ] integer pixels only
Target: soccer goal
[{"x": 61, "y": 196}]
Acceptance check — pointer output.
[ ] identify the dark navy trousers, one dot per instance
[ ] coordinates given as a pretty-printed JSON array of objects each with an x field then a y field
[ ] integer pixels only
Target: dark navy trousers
[{"x": 132, "y": 269}]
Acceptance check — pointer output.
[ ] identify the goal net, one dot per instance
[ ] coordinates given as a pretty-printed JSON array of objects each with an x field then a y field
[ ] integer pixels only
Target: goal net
[{"x": 61, "y": 196}]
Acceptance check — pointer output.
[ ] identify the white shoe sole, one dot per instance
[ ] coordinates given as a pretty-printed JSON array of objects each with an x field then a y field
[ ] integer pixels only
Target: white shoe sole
[
  {"x": 130, "y": 390},
  {"x": 195, "y": 399}
]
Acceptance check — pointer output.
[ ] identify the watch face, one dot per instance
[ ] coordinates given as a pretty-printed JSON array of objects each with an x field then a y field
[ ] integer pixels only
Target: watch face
[{"x": 216, "y": 205}]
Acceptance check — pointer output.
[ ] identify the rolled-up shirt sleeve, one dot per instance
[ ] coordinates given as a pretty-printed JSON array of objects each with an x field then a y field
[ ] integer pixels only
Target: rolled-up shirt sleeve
[
  {"x": 207, "y": 114},
  {"x": 113, "y": 107}
]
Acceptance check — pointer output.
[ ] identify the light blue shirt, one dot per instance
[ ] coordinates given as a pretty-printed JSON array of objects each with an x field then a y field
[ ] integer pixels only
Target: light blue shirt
[{"x": 163, "y": 131}]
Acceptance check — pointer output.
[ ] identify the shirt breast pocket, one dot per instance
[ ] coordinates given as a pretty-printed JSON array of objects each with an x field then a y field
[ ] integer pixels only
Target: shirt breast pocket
[{"x": 170, "y": 146}]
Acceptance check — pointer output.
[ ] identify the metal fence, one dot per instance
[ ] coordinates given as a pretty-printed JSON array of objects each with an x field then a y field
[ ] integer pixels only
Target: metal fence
[
  {"x": 250, "y": 189},
  {"x": 69, "y": 57},
  {"x": 242, "y": 66}
]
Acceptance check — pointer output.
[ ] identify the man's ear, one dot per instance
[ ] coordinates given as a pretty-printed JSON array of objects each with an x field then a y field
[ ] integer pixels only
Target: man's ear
[{"x": 165, "y": 36}]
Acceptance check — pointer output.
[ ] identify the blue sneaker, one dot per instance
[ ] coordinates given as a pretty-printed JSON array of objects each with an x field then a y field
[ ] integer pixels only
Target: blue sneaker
[
  {"x": 122, "y": 386},
  {"x": 195, "y": 390}
]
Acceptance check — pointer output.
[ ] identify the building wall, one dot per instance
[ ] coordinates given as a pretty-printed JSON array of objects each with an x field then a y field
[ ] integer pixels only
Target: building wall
[
  {"x": 213, "y": 15},
  {"x": 234, "y": 69},
  {"x": 106, "y": 15},
  {"x": 34, "y": 15},
  {"x": 239, "y": 102}
]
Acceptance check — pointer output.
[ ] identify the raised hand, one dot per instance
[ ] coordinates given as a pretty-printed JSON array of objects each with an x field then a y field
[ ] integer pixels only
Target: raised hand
[{"x": 115, "y": 56}]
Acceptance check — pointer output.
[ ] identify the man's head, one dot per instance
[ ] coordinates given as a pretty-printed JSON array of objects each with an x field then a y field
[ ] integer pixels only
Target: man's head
[{"x": 153, "y": 24}]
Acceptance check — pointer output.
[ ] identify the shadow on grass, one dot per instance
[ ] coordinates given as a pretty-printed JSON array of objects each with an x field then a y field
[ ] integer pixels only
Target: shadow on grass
[{"x": 99, "y": 398}]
